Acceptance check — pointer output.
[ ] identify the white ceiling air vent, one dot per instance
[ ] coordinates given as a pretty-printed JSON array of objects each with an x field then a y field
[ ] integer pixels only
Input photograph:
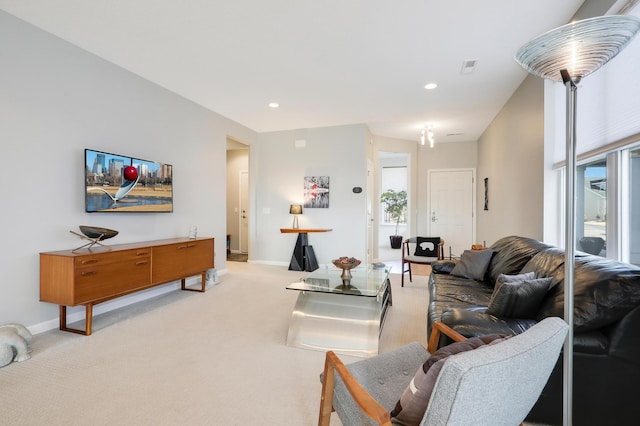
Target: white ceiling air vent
[{"x": 468, "y": 66}]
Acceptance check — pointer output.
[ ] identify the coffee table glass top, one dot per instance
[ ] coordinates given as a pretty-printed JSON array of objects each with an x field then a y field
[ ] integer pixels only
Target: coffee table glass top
[{"x": 365, "y": 281}]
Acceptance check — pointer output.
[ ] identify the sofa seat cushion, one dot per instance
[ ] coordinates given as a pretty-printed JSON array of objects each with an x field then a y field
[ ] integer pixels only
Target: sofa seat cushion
[
  {"x": 473, "y": 323},
  {"x": 477, "y": 322},
  {"x": 448, "y": 291}
]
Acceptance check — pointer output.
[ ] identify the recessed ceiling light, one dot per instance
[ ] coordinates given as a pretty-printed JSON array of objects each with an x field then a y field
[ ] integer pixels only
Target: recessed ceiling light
[
  {"x": 430, "y": 86},
  {"x": 274, "y": 105}
]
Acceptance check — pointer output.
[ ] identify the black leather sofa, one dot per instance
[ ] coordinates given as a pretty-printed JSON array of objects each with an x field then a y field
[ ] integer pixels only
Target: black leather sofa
[{"x": 606, "y": 325}]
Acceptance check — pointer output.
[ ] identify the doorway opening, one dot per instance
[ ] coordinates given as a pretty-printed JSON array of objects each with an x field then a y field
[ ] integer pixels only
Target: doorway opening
[
  {"x": 393, "y": 175},
  {"x": 238, "y": 208}
]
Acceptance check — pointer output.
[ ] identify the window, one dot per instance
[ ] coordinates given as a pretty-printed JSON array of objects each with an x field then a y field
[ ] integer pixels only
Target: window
[
  {"x": 608, "y": 204},
  {"x": 591, "y": 207},
  {"x": 634, "y": 206}
]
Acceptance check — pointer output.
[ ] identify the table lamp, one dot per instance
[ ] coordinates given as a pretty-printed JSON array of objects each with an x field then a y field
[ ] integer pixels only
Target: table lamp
[{"x": 295, "y": 210}]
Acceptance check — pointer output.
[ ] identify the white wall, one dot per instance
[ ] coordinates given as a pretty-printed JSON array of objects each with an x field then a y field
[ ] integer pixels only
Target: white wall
[
  {"x": 56, "y": 100},
  {"x": 338, "y": 152},
  {"x": 511, "y": 155}
]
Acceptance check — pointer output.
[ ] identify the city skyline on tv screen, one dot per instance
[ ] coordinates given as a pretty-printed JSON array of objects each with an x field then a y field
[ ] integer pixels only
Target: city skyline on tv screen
[{"x": 117, "y": 183}]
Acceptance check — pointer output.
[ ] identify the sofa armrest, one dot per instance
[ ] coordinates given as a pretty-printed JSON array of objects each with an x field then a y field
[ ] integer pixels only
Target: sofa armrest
[{"x": 444, "y": 266}]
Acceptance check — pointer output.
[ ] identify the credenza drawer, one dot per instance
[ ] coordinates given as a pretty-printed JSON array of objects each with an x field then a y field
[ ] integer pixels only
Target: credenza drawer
[
  {"x": 95, "y": 282},
  {"x": 103, "y": 259}
]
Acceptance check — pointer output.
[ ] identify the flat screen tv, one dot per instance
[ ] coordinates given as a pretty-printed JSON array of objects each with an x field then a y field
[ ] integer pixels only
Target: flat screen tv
[{"x": 115, "y": 183}]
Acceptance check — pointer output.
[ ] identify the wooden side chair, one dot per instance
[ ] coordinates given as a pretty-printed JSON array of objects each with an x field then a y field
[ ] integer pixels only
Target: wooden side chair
[
  {"x": 497, "y": 383},
  {"x": 421, "y": 251}
]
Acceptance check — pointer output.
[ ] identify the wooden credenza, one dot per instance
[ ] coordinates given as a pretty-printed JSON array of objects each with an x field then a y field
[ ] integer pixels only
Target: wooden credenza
[{"x": 88, "y": 277}]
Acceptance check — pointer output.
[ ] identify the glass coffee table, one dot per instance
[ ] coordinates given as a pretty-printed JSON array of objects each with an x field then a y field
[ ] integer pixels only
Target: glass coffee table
[{"x": 345, "y": 317}]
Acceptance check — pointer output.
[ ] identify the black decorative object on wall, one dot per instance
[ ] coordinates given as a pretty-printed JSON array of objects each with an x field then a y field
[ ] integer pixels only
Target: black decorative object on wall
[{"x": 486, "y": 193}]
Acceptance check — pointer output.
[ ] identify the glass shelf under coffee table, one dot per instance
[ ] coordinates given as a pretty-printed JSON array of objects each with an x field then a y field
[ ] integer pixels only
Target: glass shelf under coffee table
[{"x": 346, "y": 318}]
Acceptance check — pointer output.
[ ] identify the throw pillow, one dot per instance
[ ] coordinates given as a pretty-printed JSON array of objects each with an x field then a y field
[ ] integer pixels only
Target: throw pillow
[
  {"x": 427, "y": 247},
  {"x": 413, "y": 403},
  {"x": 518, "y": 299},
  {"x": 503, "y": 278},
  {"x": 473, "y": 264}
]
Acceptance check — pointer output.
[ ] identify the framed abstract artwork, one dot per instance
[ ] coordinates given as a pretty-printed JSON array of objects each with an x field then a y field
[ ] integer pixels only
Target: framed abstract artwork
[{"x": 316, "y": 192}]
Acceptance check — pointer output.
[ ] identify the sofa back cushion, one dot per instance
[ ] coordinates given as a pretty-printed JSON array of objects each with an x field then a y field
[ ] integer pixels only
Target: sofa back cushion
[
  {"x": 605, "y": 290},
  {"x": 511, "y": 254}
]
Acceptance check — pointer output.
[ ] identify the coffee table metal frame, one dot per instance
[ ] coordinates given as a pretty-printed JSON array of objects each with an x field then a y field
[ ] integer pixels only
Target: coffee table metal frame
[{"x": 346, "y": 318}]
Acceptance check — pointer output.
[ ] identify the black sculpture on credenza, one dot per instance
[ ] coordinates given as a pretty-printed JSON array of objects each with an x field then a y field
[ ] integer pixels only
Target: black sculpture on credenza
[{"x": 94, "y": 235}]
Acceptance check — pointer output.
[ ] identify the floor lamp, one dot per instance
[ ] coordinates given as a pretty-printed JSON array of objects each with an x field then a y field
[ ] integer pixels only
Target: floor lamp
[{"x": 568, "y": 54}]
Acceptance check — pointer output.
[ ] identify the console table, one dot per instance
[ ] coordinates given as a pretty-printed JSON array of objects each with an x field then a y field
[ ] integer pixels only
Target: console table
[
  {"x": 303, "y": 257},
  {"x": 91, "y": 276}
]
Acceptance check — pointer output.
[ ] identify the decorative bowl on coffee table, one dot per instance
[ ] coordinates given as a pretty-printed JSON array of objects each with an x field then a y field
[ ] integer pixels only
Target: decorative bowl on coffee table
[{"x": 346, "y": 264}]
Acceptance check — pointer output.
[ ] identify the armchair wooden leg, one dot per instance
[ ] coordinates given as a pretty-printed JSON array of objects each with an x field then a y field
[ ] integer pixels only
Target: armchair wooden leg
[{"x": 326, "y": 400}]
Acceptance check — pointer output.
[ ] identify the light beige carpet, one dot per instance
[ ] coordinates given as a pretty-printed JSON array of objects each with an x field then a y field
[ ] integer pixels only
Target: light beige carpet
[{"x": 189, "y": 358}]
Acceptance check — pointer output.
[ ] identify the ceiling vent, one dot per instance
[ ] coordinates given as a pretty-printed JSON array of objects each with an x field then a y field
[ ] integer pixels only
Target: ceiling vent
[{"x": 468, "y": 66}]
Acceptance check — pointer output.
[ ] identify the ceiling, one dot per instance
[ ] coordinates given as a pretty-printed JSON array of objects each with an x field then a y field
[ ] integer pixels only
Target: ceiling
[{"x": 326, "y": 62}]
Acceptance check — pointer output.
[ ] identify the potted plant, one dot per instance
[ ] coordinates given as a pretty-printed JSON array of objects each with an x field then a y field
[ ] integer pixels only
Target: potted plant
[{"x": 395, "y": 204}]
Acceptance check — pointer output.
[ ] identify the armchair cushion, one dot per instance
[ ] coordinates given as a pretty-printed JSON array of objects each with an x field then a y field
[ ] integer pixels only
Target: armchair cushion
[
  {"x": 410, "y": 409},
  {"x": 518, "y": 298},
  {"x": 473, "y": 264}
]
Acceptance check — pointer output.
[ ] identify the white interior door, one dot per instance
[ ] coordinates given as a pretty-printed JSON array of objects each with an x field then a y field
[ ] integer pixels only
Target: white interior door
[
  {"x": 451, "y": 208},
  {"x": 244, "y": 211}
]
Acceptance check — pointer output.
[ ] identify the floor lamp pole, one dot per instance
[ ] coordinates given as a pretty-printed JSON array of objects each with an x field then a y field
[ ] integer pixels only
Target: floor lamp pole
[{"x": 569, "y": 243}]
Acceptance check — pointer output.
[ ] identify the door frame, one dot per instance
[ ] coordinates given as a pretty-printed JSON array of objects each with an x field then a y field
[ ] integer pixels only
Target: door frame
[{"x": 243, "y": 239}]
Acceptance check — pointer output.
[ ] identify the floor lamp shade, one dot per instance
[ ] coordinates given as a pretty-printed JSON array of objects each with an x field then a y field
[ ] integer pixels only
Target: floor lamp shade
[
  {"x": 567, "y": 54},
  {"x": 295, "y": 210}
]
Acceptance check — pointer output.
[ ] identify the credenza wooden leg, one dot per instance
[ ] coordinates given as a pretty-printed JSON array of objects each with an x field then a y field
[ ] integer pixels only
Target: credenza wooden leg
[
  {"x": 88, "y": 317},
  {"x": 202, "y": 289}
]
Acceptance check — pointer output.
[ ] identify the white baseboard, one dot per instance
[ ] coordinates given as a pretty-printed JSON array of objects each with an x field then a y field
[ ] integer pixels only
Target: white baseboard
[{"x": 268, "y": 262}]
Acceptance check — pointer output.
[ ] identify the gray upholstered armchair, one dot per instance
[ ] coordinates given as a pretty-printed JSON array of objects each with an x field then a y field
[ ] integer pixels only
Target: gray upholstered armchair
[{"x": 497, "y": 383}]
